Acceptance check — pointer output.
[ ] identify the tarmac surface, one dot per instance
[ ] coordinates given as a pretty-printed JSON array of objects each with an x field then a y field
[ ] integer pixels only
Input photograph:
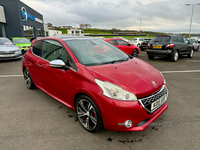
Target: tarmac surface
[{"x": 32, "y": 120}]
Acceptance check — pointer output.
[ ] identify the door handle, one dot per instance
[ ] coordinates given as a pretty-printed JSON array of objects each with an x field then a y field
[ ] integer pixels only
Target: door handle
[{"x": 39, "y": 64}]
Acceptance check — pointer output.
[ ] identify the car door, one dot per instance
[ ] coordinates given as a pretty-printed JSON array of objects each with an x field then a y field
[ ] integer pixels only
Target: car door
[
  {"x": 125, "y": 46},
  {"x": 57, "y": 82},
  {"x": 33, "y": 66},
  {"x": 188, "y": 46}
]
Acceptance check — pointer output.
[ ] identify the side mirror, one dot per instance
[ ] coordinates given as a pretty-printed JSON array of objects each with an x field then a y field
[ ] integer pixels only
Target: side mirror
[
  {"x": 59, "y": 64},
  {"x": 129, "y": 44}
]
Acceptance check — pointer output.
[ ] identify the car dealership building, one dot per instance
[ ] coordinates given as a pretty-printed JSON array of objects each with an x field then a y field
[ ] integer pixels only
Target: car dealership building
[{"x": 19, "y": 20}]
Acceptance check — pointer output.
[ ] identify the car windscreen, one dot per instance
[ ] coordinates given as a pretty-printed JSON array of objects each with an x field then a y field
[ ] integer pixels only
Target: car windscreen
[
  {"x": 18, "y": 41},
  {"x": 92, "y": 52},
  {"x": 5, "y": 42},
  {"x": 161, "y": 39}
]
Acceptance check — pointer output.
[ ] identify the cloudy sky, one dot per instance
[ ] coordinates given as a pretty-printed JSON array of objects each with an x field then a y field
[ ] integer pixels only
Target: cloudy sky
[{"x": 156, "y": 15}]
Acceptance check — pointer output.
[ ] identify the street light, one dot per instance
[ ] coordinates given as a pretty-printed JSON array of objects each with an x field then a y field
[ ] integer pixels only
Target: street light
[
  {"x": 191, "y": 15},
  {"x": 140, "y": 25}
]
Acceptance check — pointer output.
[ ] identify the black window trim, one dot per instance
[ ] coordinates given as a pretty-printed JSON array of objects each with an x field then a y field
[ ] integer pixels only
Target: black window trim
[{"x": 66, "y": 52}]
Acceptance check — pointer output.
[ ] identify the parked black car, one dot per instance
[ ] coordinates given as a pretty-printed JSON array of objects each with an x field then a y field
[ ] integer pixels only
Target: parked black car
[
  {"x": 144, "y": 44},
  {"x": 170, "y": 46}
]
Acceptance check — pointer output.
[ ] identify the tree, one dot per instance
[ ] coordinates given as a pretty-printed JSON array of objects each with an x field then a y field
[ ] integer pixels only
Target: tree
[{"x": 49, "y": 25}]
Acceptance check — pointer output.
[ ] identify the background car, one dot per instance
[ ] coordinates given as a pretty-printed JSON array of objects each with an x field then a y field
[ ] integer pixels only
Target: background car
[
  {"x": 8, "y": 50},
  {"x": 122, "y": 39},
  {"x": 195, "y": 44},
  {"x": 118, "y": 92},
  {"x": 137, "y": 41},
  {"x": 22, "y": 42},
  {"x": 126, "y": 47},
  {"x": 144, "y": 44},
  {"x": 171, "y": 46},
  {"x": 100, "y": 37}
]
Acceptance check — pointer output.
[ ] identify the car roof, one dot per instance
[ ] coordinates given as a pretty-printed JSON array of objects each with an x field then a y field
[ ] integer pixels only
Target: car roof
[
  {"x": 64, "y": 38},
  {"x": 114, "y": 39}
]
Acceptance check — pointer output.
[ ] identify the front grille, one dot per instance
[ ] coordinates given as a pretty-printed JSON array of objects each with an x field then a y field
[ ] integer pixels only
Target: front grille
[
  {"x": 25, "y": 46},
  {"x": 6, "y": 52},
  {"x": 147, "y": 101}
]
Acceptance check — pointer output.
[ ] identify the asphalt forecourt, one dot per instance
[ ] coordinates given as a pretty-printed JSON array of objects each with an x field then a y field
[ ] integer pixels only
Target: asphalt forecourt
[{"x": 31, "y": 119}]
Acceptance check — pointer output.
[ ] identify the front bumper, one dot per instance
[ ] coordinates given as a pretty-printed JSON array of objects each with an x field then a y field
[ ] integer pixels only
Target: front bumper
[
  {"x": 159, "y": 53},
  {"x": 117, "y": 112},
  {"x": 11, "y": 57}
]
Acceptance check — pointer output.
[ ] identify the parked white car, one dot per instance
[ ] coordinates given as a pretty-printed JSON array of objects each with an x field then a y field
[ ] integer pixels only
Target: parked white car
[
  {"x": 137, "y": 41},
  {"x": 195, "y": 44}
]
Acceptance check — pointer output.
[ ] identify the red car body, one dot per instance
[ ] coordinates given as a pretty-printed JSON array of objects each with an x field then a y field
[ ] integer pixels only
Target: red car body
[
  {"x": 134, "y": 75},
  {"x": 123, "y": 45}
]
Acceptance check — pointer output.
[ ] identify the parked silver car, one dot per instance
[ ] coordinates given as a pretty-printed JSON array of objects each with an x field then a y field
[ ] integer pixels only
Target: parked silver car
[
  {"x": 137, "y": 41},
  {"x": 195, "y": 44},
  {"x": 8, "y": 50}
]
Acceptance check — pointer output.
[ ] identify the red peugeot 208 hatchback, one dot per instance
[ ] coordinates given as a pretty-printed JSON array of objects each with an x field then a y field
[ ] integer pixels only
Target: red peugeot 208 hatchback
[
  {"x": 126, "y": 47},
  {"x": 106, "y": 90}
]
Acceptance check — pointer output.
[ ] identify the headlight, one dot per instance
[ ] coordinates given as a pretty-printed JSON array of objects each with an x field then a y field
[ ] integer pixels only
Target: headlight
[
  {"x": 115, "y": 92},
  {"x": 163, "y": 77}
]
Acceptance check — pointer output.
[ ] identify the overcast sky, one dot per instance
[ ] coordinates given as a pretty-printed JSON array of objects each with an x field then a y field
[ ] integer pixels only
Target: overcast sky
[{"x": 156, "y": 15}]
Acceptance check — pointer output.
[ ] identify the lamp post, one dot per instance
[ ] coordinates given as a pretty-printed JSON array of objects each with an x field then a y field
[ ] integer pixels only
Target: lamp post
[
  {"x": 191, "y": 15},
  {"x": 140, "y": 25}
]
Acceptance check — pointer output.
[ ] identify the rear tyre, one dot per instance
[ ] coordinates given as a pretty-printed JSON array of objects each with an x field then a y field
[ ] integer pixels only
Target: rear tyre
[
  {"x": 175, "y": 56},
  {"x": 28, "y": 80},
  {"x": 150, "y": 57},
  {"x": 88, "y": 114},
  {"x": 191, "y": 54},
  {"x": 197, "y": 48},
  {"x": 135, "y": 52}
]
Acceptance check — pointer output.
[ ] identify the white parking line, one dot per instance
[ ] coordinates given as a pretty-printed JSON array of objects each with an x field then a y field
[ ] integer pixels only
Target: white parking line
[
  {"x": 193, "y": 61},
  {"x": 185, "y": 71},
  {"x": 8, "y": 76}
]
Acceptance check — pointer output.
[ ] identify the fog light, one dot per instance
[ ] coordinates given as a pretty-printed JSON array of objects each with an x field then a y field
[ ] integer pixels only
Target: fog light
[{"x": 128, "y": 123}]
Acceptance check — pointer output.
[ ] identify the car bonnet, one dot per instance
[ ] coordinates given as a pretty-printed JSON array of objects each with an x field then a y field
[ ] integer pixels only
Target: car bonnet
[{"x": 135, "y": 76}]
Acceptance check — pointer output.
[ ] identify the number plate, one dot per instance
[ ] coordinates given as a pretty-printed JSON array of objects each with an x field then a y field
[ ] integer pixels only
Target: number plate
[
  {"x": 158, "y": 47},
  {"x": 158, "y": 102},
  {"x": 6, "y": 55}
]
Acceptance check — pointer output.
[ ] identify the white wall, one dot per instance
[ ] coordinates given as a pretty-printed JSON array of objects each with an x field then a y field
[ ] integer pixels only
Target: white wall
[
  {"x": 2, "y": 15},
  {"x": 55, "y": 33}
]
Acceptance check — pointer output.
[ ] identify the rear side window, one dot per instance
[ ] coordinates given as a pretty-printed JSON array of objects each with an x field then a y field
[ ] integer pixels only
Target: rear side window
[
  {"x": 37, "y": 48},
  {"x": 161, "y": 39}
]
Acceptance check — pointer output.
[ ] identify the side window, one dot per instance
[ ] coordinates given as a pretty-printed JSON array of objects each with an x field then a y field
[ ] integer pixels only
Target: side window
[
  {"x": 120, "y": 42},
  {"x": 114, "y": 42},
  {"x": 185, "y": 40},
  {"x": 37, "y": 48},
  {"x": 175, "y": 39},
  {"x": 180, "y": 39},
  {"x": 53, "y": 50}
]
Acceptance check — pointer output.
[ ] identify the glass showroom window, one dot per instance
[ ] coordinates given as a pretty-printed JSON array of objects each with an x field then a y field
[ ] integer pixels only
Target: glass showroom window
[
  {"x": 28, "y": 31},
  {"x": 39, "y": 32}
]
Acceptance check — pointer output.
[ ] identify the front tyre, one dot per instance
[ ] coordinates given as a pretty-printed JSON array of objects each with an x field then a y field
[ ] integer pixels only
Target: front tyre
[
  {"x": 88, "y": 114},
  {"x": 28, "y": 80}
]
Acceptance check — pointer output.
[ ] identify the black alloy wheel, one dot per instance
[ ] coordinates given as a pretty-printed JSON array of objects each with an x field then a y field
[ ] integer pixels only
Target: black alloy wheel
[{"x": 135, "y": 52}]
